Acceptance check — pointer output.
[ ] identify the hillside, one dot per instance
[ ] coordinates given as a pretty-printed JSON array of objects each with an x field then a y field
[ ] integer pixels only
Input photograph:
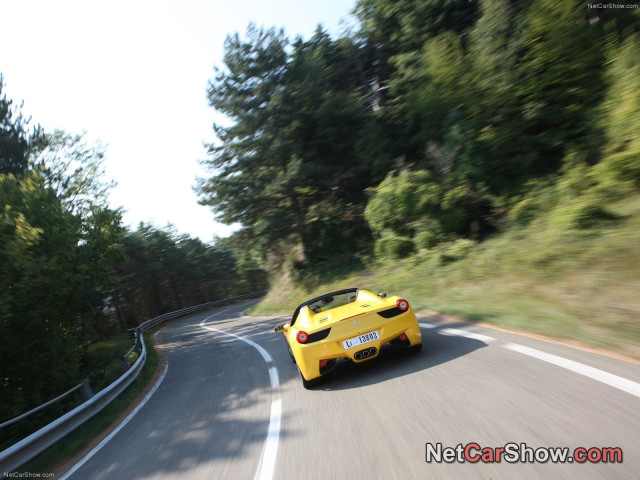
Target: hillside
[{"x": 581, "y": 285}]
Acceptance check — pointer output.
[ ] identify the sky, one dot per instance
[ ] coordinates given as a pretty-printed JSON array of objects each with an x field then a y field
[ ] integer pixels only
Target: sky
[{"x": 133, "y": 75}]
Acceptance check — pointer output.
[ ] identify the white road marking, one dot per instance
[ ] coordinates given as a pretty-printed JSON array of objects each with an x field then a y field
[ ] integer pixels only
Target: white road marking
[
  {"x": 612, "y": 380},
  {"x": 270, "y": 450},
  {"x": 464, "y": 333},
  {"x": 95, "y": 450},
  {"x": 461, "y": 333},
  {"x": 263, "y": 352},
  {"x": 267, "y": 463}
]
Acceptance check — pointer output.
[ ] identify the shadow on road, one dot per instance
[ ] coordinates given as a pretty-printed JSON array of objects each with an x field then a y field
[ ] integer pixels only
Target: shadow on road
[{"x": 437, "y": 349}]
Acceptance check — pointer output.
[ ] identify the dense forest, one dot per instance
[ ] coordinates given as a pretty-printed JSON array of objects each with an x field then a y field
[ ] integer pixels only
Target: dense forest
[
  {"x": 434, "y": 121},
  {"x": 71, "y": 274}
]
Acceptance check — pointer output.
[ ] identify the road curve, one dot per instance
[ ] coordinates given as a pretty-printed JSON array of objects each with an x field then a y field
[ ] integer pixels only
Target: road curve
[{"x": 232, "y": 406}]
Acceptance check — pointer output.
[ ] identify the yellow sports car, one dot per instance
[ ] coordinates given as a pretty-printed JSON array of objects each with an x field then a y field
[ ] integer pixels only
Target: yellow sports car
[{"x": 347, "y": 325}]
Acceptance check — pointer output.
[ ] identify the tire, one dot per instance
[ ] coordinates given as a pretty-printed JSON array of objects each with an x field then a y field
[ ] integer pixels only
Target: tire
[
  {"x": 415, "y": 348},
  {"x": 308, "y": 384},
  {"x": 291, "y": 355}
]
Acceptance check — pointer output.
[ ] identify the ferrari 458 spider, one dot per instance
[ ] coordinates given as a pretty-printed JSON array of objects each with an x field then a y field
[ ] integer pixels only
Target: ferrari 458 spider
[{"x": 347, "y": 325}]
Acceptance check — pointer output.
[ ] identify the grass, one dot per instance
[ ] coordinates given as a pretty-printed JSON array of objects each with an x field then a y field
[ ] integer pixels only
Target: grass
[
  {"x": 102, "y": 362},
  {"x": 79, "y": 438},
  {"x": 572, "y": 284}
]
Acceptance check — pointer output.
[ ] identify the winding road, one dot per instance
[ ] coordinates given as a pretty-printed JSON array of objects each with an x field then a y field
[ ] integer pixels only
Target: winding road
[{"x": 231, "y": 405}]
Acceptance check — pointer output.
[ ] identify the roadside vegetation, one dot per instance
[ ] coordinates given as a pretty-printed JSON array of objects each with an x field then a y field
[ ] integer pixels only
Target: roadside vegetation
[
  {"x": 52, "y": 458},
  {"x": 73, "y": 279},
  {"x": 481, "y": 158},
  {"x": 575, "y": 285}
]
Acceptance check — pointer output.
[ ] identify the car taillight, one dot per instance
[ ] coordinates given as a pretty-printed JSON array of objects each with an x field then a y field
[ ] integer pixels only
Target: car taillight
[
  {"x": 403, "y": 337},
  {"x": 402, "y": 304},
  {"x": 323, "y": 363},
  {"x": 302, "y": 337}
]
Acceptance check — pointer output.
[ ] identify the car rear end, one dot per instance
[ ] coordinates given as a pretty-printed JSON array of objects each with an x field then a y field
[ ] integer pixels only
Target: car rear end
[{"x": 356, "y": 331}]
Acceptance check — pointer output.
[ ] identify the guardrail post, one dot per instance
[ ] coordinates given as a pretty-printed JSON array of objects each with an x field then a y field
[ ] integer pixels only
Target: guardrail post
[
  {"x": 125, "y": 363},
  {"x": 86, "y": 390}
]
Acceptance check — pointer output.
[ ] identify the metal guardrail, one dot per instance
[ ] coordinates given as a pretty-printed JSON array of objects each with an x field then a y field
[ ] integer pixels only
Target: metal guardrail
[
  {"x": 37, "y": 409},
  {"x": 23, "y": 451}
]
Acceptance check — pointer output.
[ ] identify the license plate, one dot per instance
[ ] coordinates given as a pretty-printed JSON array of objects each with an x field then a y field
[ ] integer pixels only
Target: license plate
[{"x": 359, "y": 340}]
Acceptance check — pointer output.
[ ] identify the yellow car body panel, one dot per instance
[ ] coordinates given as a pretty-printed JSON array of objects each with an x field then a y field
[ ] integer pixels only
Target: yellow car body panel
[{"x": 374, "y": 319}]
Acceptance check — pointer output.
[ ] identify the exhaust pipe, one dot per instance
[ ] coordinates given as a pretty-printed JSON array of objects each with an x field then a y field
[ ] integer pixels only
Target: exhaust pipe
[{"x": 369, "y": 352}]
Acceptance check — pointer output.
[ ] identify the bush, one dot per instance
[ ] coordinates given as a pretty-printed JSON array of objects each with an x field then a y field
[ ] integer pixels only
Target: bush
[
  {"x": 581, "y": 213},
  {"x": 400, "y": 200},
  {"x": 524, "y": 212},
  {"x": 591, "y": 215},
  {"x": 394, "y": 247},
  {"x": 457, "y": 250},
  {"x": 426, "y": 239}
]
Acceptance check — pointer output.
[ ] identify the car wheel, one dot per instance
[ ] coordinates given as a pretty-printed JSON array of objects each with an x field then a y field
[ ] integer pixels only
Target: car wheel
[
  {"x": 309, "y": 383},
  {"x": 415, "y": 348},
  {"x": 291, "y": 355}
]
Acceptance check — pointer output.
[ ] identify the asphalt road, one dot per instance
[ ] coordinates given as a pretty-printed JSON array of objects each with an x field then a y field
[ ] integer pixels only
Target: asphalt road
[{"x": 232, "y": 406}]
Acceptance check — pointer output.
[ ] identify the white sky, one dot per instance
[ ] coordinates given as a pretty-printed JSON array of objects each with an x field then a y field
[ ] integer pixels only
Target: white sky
[{"x": 133, "y": 74}]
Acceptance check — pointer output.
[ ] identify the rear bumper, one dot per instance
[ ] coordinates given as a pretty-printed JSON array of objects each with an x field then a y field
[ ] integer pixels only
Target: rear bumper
[{"x": 308, "y": 356}]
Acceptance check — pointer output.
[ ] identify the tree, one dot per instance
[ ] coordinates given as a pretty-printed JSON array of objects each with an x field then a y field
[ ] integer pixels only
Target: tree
[
  {"x": 293, "y": 151},
  {"x": 14, "y": 137},
  {"x": 40, "y": 289},
  {"x": 620, "y": 120},
  {"x": 165, "y": 272},
  {"x": 58, "y": 251},
  {"x": 249, "y": 93},
  {"x": 399, "y": 27},
  {"x": 74, "y": 169}
]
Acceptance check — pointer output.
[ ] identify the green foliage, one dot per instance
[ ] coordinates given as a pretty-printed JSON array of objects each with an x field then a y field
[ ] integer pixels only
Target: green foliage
[
  {"x": 401, "y": 199},
  {"x": 620, "y": 167},
  {"x": 573, "y": 199},
  {"x": 59, "y": 245},
  {"x": 492, "y": 111},
  {"x": 165, "y": 272},
  {"x": 39, "y": 294},
  {"x": 69, "y": 275},
  {"x": 456, "y": 250},
  {"x": 403, "y": 26},
  {"x": 584, "y": 212},
  {"x": 498, "y": 118},
  {"x": 394, "y": 247},
  {"x": 571, "y": 285},
  {"x": 74, "y": 169},
  {"x": 99, "y": 354},
  {"x": 14, "y": 137},
  {"x": 293, "y": 166},
  {"x": 478, "y": 107},
  {"x": 426, "y": 239}
]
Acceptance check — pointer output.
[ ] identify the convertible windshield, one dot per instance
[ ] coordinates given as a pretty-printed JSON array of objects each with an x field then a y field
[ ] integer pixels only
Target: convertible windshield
[
  {"x": 332, "y": 301},
  {"x": 327, "y": 302}
]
